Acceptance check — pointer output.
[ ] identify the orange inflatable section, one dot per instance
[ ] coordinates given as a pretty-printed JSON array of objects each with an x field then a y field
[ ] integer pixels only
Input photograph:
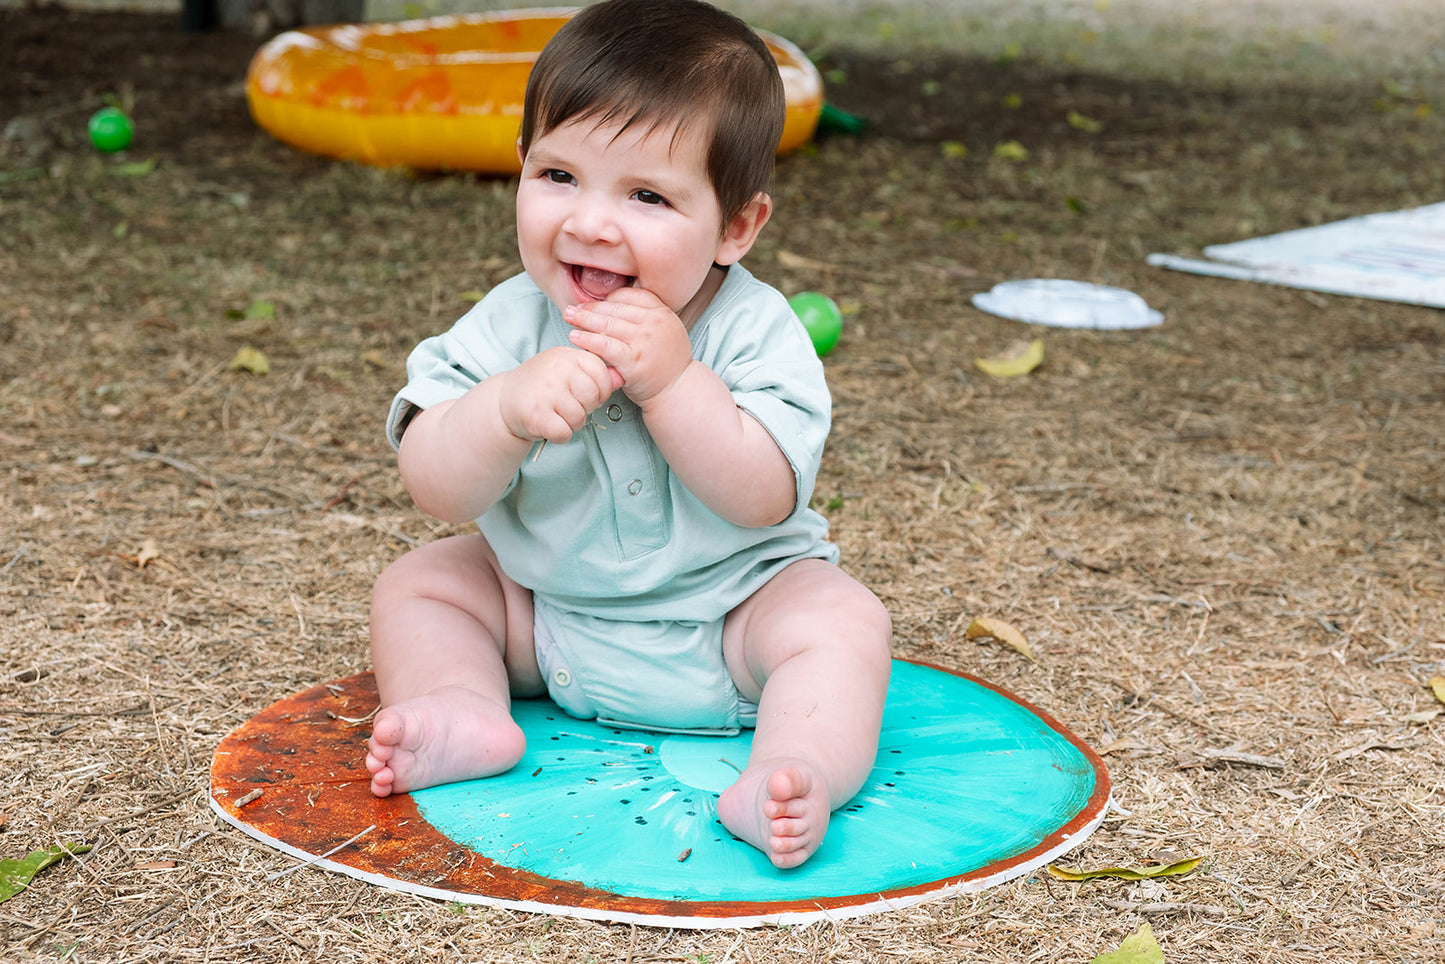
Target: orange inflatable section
[{"x": 438, "y": 94}]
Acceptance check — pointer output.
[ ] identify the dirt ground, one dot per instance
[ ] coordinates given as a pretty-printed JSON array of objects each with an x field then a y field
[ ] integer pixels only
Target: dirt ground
[{"x": 1220, "y": 534}]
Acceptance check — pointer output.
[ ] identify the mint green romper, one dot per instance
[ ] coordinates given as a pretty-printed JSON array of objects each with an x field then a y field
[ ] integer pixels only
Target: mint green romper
[{"x": 631, "y": 575}]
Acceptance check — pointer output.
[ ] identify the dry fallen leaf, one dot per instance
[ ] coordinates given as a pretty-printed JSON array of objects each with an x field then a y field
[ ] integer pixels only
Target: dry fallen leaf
[
  {"x": 251, "y": 360},
  {"x": 1018, "y": 359},
  {"x": 1437, "y": 686},
  {"x": 797, "y": 262},
  {"x": 1001, "y": 631},
  {"x": 149, "y": 549}
]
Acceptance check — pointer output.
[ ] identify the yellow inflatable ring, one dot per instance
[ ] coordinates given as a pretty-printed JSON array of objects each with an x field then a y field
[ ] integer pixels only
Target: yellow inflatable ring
[{"x": 438, "y": 94}]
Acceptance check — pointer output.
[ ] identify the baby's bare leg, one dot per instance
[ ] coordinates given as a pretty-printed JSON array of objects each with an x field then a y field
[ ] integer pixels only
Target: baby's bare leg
[
  {"x": 812, "y": 647},
  {"x": 451, "y": 639}
]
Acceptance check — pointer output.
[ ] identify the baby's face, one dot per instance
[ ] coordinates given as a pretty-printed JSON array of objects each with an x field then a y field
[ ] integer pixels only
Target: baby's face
[{"x": 598, "y": 210}]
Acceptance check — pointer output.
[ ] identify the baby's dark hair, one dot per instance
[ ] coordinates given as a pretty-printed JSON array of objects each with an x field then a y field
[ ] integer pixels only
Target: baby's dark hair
[{"x": 659, "y": 62}]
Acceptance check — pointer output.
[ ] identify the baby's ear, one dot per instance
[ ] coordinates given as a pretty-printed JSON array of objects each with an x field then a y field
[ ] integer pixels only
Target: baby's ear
[{"x": 740, "y": 233}]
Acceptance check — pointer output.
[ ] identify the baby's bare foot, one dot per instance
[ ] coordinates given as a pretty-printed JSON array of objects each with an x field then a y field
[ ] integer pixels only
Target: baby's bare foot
[
  {"x": 447, "y": 735},
  {"x": 779, "y": 807}
]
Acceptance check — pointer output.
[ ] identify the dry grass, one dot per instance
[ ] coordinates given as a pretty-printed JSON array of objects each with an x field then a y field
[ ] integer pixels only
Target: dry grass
[{"x": 1220, "y": 534}]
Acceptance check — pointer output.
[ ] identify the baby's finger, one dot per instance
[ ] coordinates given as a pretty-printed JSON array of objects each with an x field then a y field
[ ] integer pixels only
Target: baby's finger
[
  {"x": 603, "y": 376},
  {"x": 569, "y": 415},
  {"x": 605, "y": 348},
  {"x": 548, "y": 428},
  {"x": 600, "y": 317},
  {"x": 600, "y": 375},
  {"x": 638, "y": 297}
]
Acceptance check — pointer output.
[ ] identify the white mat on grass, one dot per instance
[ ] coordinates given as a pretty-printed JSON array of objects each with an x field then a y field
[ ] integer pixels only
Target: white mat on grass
[{"x": 1397, "y": 256}]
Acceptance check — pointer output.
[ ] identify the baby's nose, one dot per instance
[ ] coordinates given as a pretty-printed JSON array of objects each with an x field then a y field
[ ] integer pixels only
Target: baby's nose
[{"x": 594, "y": 219}]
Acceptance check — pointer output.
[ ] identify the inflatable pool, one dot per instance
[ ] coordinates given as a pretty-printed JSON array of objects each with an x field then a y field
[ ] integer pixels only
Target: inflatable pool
[{"x": 438, "y": 94}]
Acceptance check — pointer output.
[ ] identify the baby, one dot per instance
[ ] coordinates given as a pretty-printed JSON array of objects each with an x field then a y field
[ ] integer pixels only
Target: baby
[{"x": 635, "y": 423}]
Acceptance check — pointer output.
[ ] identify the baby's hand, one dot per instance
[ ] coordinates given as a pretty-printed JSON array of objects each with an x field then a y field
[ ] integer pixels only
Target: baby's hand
[
  {"x": 550, "y": 395},
  {"x": 636, "y": 335}
]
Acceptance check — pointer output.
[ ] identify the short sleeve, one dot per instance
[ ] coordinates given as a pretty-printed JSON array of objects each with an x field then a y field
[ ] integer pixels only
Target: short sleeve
[
  {"x": 512, "y": 323},
  {"x": 764, "y": 355}
]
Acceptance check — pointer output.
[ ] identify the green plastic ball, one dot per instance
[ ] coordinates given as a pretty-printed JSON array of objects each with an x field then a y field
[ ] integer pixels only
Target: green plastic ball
[
  {"x": 110, "y": 130},
  {"x": 821, "y": 318}
]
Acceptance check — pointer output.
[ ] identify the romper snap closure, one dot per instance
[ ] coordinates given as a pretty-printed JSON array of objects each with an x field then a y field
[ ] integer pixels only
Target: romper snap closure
[
  {"x": 614, "y": 412},
  {"x": 562, "y": 677},
  {"x": 634, "y": 487}
]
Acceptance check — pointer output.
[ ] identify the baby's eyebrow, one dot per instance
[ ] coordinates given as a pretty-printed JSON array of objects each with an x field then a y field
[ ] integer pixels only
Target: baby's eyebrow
[
  {"x": 540, "y": 156},
  {"x": 676, "y": 191}
]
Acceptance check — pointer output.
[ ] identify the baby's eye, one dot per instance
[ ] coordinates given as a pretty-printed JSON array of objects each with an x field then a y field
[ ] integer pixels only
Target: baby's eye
[
  {"x": 650, "y": 197},
  {"x": 558, "y": 177}
]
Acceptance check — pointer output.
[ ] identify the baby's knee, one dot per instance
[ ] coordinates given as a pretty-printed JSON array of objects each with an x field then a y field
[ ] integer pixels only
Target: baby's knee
[
  {"x": 431, "y": 570},
  {"x": 873, "y": 615},
  {"x": 406, "y": 577},
  {"x": 851, "y": 604},
  {"x": 846, "y": 617},
  {"x": 861, "y": 624}
]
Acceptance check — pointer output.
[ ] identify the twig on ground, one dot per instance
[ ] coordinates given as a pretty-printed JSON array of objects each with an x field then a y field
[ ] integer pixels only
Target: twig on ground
[
  {"x": 1074, "y": 560},
  {"x": 174, "y": 798},
  {"x": 1210, "y": 755},
  {"x": 341, "y": 846},
  {"x": 1167, "y": 908}
]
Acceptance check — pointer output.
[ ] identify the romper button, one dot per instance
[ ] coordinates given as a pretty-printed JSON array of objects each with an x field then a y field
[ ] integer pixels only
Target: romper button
[
  {"x": 562, "y": 678},
  {"x": 635, "y": 486},
  {"x": 614, "y": 412}
]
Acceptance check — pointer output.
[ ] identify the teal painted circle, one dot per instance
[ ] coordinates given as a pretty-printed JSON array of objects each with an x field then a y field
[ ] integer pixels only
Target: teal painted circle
[
  {"x": 706, "y": 762},
  {"x": 966, "y": 778}
]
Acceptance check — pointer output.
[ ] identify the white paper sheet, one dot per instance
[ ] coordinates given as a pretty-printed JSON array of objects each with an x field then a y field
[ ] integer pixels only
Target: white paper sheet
[{"x": 1396, "y": 256}]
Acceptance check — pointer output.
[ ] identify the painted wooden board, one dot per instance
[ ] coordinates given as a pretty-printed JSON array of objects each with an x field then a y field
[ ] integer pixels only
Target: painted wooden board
[{"x": 973, "y": 786}]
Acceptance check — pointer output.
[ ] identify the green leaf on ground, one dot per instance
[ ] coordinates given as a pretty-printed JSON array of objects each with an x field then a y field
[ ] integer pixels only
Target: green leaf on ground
[
  {"x": 1177, "y": 869},
  {"x": 255, "y": 311},
  {"x": 1011, "y": 151},
  {"x": 134, "y": 168},
  {"x": 1139, "y": 947},
  {"x": 16, "y": 874}
]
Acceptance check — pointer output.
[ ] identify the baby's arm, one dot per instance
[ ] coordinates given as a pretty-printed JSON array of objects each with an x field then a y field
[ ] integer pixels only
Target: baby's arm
[
  {"x": 721, "y": 453},
  {"x": 458, "y": 457}
]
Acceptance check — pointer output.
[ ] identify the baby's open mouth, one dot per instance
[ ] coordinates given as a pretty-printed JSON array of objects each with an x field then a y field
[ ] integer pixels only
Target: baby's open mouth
[{"x": 598, "y": 283}]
